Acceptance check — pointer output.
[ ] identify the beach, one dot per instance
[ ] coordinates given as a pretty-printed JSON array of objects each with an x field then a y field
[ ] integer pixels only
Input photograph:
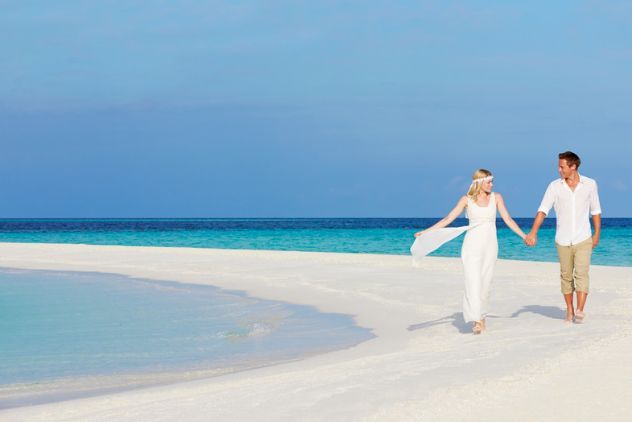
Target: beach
[{"x": 423, "y": 364}]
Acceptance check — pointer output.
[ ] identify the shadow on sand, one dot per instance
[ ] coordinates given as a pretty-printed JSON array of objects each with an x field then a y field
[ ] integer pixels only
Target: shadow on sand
[
  {"x": 547, "y": 311},
  {"x": 457, "y": 321}
]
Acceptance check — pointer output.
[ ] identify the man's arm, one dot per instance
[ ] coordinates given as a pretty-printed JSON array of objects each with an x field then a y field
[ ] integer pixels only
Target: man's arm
[
  {"x": 596, "y": 218},
  {"x": 545, "y": 206},
  {"x": 595, "y": 211},
  {"x": 532, "y": 237}
]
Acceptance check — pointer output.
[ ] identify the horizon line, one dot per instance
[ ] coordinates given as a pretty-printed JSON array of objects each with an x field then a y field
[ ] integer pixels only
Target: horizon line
[{"x": 247, "y": 218}]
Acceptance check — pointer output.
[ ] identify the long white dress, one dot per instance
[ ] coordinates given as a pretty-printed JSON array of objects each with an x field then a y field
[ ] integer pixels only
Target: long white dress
[{"x": 479, "y": 254}]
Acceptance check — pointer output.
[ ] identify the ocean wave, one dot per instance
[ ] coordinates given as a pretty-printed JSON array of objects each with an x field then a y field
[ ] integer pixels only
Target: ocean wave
[{"x": 253, "y": 330}]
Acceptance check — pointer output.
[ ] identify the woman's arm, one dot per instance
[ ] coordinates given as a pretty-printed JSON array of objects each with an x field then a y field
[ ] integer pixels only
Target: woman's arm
[
  {"x": 445, "y": 221},
  {"x": 502, "y": 209}
]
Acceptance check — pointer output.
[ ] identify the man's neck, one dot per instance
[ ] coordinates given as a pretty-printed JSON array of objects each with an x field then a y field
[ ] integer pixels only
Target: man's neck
[{"x": 573, "y": 179}]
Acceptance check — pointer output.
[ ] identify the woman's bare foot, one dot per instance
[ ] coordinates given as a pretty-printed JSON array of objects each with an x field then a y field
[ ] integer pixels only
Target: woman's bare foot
[
  {"x": 483, "y": 326},
  {"x": 477, "y": 328}
]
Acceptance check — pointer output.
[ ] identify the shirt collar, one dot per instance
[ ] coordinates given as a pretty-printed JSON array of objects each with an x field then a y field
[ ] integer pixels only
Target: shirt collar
[{"x": 581, "y": 179}]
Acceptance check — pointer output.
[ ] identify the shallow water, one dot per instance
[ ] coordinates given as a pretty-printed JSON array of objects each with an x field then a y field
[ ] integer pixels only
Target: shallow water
[{"x": 67, "y": 334}]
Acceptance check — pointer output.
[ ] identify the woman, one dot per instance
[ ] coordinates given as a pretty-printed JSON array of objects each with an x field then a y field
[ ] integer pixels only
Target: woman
[{"x": 480, "y": 247}]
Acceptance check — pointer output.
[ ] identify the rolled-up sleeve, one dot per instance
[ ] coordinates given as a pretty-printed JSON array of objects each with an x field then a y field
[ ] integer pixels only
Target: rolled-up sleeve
[
  {"x": 548, "y": 200},
  {"x": 595, "y": 206}
]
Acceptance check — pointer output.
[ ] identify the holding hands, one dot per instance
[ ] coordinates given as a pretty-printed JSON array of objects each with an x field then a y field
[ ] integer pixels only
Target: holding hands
[{"x": 531, "y": 239}]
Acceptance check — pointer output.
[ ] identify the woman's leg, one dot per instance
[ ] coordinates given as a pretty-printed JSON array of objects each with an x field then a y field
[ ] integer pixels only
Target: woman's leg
[
  {"x": 472, "y": 296},
  {"x": 487, "y": 274}
]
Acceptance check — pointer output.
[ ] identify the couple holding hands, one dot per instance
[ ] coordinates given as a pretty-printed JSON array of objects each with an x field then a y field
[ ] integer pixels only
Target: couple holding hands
[{"x": 574, "y": 198}]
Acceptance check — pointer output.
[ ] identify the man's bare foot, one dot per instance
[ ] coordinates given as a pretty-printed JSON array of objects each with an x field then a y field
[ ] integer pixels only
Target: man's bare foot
[
  {"x": 570, "y": 315},
  {"x": 579, "y": 316}
]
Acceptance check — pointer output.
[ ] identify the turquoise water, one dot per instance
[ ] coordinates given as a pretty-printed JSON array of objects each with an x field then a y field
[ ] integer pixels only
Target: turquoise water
[
  {"x": 350, "y": 235},
  {"x": 69, "y": 334},
  {"x": 58, "y": 326}
]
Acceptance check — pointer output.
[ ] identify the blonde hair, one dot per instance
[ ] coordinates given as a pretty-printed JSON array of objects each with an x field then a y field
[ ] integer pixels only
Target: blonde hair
[{"x": 475, "y": 187}]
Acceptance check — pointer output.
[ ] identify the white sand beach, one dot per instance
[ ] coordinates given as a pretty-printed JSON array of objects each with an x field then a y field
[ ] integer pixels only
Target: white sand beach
[{"x": 424, "y": 364}]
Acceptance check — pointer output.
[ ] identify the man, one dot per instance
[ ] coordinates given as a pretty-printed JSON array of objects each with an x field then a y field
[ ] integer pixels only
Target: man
[{"x": 573, "y": 197}]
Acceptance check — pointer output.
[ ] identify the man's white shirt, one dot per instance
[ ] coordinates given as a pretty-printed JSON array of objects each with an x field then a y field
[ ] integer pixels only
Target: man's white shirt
[{"x": 572, "y": 209}]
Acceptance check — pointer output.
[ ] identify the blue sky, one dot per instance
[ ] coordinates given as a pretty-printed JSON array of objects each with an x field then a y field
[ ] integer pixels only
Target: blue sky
[{"x": 307, "y": 109}]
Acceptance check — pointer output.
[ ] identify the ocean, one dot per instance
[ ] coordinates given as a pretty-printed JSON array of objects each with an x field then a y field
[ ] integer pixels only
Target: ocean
[
  {"x": 349, "y": 235},
  {"x": 65, "y": 334}
]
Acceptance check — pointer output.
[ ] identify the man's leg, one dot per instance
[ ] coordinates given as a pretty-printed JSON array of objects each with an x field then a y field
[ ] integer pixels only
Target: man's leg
[
  {"x": 570, "y": 313},
  {"x": 565, "y": 255},
  {"x": 581, "y": 300},
  {"x": 583, "y": 252}
]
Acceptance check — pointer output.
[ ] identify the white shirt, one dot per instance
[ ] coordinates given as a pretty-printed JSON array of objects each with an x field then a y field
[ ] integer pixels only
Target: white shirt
[{"x": 571, "y": 209}]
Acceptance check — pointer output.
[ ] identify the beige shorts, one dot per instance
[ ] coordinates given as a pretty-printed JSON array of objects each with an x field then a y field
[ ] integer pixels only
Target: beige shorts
[{"x": 574, "y": 264}]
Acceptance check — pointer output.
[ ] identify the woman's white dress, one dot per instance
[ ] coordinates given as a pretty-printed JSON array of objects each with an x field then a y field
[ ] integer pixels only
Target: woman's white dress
[{"x": 479, "y": 254}]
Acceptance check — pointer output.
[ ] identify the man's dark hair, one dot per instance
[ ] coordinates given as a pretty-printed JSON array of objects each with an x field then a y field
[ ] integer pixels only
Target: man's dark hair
[{"x": 571, "y": 158}]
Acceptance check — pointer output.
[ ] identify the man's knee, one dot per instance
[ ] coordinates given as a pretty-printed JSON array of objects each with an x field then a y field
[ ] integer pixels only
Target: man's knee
[
  {"x": 582, "y": 279},
  {"x": 582, "y": 266},
  {"x": 567, "y": 282}
]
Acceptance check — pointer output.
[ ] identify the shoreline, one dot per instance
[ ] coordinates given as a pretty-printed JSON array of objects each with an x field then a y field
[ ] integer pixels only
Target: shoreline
[
  {"x": 51, "y": 390},
  {"x": 403, "y": 254},
  {"x": 348, "y": 236},
  {"x": 421, "y": 355},
  {"x": 62, "y": 390}
]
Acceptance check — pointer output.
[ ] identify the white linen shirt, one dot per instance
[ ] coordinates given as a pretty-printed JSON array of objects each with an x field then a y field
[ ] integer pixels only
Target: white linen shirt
[{"x": 571, "y": 209}]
